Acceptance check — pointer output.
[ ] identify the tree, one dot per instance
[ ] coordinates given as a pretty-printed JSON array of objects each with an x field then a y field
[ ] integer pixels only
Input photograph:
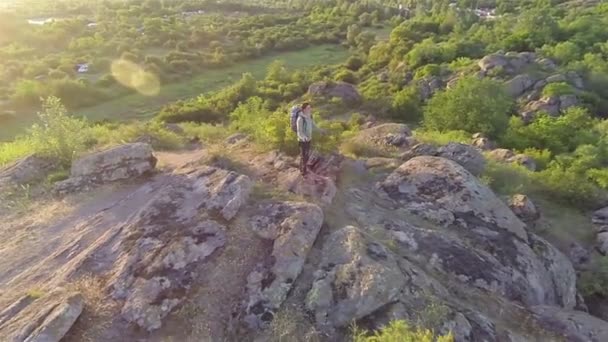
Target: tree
[
  {"x": 352, "y": 33},
  {"x": 472, "y": 105},
  {"x": 406, "y": 105}
]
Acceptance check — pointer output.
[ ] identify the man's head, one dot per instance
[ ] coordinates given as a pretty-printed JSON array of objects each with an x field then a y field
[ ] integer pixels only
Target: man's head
[{"x": 306, "y": 108}]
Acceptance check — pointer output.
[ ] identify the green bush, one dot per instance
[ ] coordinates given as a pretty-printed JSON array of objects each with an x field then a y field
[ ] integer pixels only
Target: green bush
[
  {"x": 154, "y": 131},
  {"x": 346, "y": 75},
  {"x": 558, "y": 135},
  {"x": 441, "y": 138},
  {"x": 594, "y": 281},
  {"x": 57, "y": 135},
  {"x": 472, "y": 105},
  {"x": 428, "y": 70},
  {"x": 557, "y": 89},
  {"x": 400, "y": 331},
  {"x": 208, "y": 133},
  {"x": 354, "y": 63},
  {"x": 406, "y": 105}
]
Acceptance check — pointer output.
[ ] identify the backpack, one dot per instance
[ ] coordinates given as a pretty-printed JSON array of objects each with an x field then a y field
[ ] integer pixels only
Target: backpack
[{"x": 294, "y": 114}]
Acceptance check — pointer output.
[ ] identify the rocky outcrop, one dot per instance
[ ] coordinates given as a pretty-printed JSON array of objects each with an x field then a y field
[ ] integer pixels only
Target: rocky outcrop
[
  {"x": 572, "y": 325},
  {"x": 509, "y": 63},
  {"x": 552, "y": 105},
  {"x": 504, "y": 155},
  {"x": 483, "y": 143},
  {"x": 343, "y": 90},
  {"x": 30, "y": 169},
  {"x": 319, "y": 184},
  {"x": 523, "y": 208},
  {"x": 118, "y": 163},
  {"x": 388, "y": 134},
  {"x": 356, "y": 278},
  {"x": 519, "y": 84},
  {"x": 427, "y": 87},
  {"x": 166, "y": 239},
  {"x": 422, "y": 149},
  {"x": 293, "y": 228},
  {"x": 602, "y": 243},
  {"x": 45, "y": 319},
  {"x": 466, "y": 155},
  {"x": 523, "y": 267}
]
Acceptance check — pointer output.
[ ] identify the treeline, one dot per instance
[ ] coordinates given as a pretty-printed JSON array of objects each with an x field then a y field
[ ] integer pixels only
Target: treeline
[{"x": 170, "y": 39}]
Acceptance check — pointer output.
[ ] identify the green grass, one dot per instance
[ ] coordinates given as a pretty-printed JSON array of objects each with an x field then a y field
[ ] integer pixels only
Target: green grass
[{"x": 140, "y": 107}]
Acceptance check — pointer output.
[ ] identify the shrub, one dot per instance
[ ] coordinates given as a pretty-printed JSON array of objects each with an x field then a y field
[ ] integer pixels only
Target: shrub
[
  {"x": 406, "y": 105},
  {"x": 58, "y": 135},
  {"x": 208, "y": 133},
  {"x": 472, "y": 105},
  {"x": 441, "y": 138},
  {"x": 428, "y": 70},
  {"x": 354, "y": 63},
  {"x": 558, "y": 135},
  {"x": 156, "y": 132},
  {"x": 399, "y": 330},
  {"x": 557, "y": 89},
  {"x": 594, "y": 281},
  {"x": 346, "y": 75}
]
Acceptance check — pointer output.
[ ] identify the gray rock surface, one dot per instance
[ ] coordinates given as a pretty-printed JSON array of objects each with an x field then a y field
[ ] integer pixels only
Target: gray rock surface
[
  {"x": 519, "y": 84},
  {"x": 426, "y": 185},
  {"x": 466, "y": 155},
  {"x": 46, "y": 319},
  {"x": 293, "y": 228},
  {"x": 28, "y": 170},
  {"x": 118, "y": 163},
  {"x": 524, "y": 208},
  {"x": 357, "y": 277},
  {"x": 168, "y": 237},
  {"x": 572, "y": 325}
]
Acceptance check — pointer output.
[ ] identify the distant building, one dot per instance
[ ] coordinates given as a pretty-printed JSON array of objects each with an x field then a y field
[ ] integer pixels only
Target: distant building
[
  {"x": 82, "y": 68},
  {"x": 40, "y": 21}
]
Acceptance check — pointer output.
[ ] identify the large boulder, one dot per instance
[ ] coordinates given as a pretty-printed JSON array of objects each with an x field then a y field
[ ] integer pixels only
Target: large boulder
[
  {"x": 45, "y": 319},
  {"x": 356, "y": 278},
  {"x": 343, "y": 90},
  {"x": 444, "y": 184},
  {"x": 524, "y": 208},
  {"x": 519, "y": 84},
  {"x": 28, "y": 170},
  {"x": 492, "y": 249},
  {"x": 466, "y": 155},
  {"x": 392, "y": 134},
  {"x": 293, "y": 228},
  {"x": 427, "y": 87},
  {"x": 600, "y": 219},
  {"x": 602, "y": 243},
  {"x": 118, "y": 163},
  {"x": 492, "y": 61},
  {"x": 504, "y": 155}
]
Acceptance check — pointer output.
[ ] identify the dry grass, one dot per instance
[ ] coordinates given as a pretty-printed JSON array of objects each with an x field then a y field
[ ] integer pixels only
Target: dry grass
[
  {"x": 98, "y": 313},
  {"x": 291, "y": 324}
]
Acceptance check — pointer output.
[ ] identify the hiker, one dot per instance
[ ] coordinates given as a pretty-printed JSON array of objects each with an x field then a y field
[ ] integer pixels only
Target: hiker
[{"x": 302, "y": 120}]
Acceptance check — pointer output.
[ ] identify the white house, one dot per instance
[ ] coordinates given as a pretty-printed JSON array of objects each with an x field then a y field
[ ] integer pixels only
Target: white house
[{"x": 82, "y": 68}]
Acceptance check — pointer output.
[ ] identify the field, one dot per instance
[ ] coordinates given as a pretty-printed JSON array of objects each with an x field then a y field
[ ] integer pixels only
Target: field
[{"x": 137, "y": 106}]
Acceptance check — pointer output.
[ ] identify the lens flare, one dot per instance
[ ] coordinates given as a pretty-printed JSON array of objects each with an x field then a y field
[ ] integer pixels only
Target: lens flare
[{"x": 135, "y": 77}]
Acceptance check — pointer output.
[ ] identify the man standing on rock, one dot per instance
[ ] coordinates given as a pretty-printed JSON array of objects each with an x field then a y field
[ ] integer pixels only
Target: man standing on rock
[{"x": 304, "y": 125}]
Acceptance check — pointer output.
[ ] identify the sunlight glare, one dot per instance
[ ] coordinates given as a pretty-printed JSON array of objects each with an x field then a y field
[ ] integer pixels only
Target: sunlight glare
[{"x": 135, "y": 77}]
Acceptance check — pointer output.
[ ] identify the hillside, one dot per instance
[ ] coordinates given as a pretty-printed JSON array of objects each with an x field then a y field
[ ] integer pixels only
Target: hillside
[{"x": 457, "y": 187}]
